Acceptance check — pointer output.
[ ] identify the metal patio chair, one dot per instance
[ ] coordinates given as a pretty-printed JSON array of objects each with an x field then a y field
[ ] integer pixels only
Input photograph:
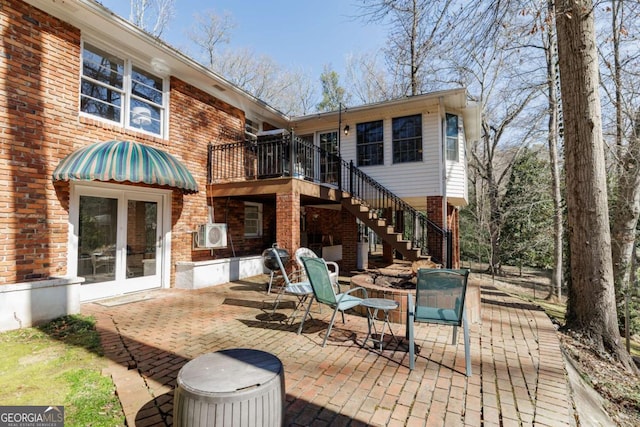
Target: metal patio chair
[
  {"x": 334, "y": 272},
  {"x": 300, "y": 289},
  {"x": 324, "y": 292},
  {"x": 440, "y": 298}
]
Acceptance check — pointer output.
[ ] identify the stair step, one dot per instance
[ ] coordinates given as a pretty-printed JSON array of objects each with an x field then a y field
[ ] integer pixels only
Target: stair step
[{"x": 380, "y": 226}]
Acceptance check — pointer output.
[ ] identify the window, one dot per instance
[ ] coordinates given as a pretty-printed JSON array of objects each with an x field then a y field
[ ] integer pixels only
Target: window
[
  {"x": 452, "y": 137},
  {"x": 407, "y": 139},
  {"x": 114, "y": 89},
  {"x": 370, "y": 143},
  {"x": 252, "y": 219}
]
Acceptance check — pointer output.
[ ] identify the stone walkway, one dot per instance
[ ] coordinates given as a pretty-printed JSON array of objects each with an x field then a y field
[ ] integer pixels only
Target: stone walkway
[{"x": 519, "y": 375}]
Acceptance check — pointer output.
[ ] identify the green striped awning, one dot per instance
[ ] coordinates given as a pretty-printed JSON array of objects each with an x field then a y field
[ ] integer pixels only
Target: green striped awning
[{"x": 125, "y": 161}]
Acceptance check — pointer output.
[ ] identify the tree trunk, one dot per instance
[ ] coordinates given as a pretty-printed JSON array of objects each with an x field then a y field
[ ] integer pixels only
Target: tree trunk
[
  {"x": 552, "y": 75},
  {"x": 591, "y": 310},
  {"x": 625, "y": 217},
  {"x": 495, "y": 216}
]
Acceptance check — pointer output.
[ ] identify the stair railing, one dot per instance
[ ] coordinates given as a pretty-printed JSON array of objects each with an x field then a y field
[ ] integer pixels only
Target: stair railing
[{"x": 288, "y": 155}]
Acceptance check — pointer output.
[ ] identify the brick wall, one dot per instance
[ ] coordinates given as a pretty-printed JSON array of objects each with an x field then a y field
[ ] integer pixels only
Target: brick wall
[
  {"x": 349, "y": 241},
  {"x": 231, "y": 212},
  {"x": 288, "y": 221},
  {"x": 453, "y": 220},
  {"x": 435, "y": 243},
  {"x": 38, "y": 103},
  {"x": 40, "y": 125},
  {"x": 323, "y": 226}
]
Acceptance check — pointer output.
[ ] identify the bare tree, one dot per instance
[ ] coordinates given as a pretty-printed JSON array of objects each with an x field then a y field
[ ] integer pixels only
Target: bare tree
[
  {"x": 417, "y": 27},
  {"x": 625, "y": 216},
  {"x": 302, "y": 96},
  {"x": 591, "y": 310},
  {"x": 289, "y": 91},
  {"x": 262, "y": 77},
  {"x": 495, "y": 74},
  {"x": 543, "y": 23},
  {"x": 551, "y": 52},
  {"x": 252, "y": 72},
  {"x": 621, "y": 84},
  {"x": 367, "y": 80},
  {"x": 493, "y": 164},
  {"x": 209, "y": 31},
  {"x": 152, "y": 16}
]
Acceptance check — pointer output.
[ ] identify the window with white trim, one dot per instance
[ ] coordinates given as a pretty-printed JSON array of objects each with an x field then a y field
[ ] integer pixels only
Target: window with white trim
[
  {"x": 452, "y": 141},
  {"x": 370, "y": 143},
  {"x": 114, "y": 89},
  {"x": 252, "y": 219},
  {"x": 407, "y": 139}
]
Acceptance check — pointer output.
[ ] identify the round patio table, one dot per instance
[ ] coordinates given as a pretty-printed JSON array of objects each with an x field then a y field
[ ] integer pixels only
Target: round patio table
[{"x": 373, "y": 306}]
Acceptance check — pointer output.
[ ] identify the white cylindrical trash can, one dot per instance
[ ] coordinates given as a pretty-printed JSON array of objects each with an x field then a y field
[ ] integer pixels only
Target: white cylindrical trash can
[{"x": 234, "y": 387}]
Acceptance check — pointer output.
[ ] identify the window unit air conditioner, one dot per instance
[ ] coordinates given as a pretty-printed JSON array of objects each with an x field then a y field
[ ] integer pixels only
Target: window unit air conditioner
[{"x": 212, "y": 236}]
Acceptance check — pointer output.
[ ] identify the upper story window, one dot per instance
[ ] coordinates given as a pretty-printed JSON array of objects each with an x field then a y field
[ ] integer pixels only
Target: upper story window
[
  {"x": 407, "y": 139},
  {"x": 370, "y": 143},
  {"x": 452, "y": 141},
  {"x": 114, "y": 89}
]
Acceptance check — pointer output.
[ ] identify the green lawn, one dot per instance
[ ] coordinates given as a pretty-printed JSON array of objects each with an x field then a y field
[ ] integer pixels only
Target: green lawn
[{"x": 59, "y": 364}]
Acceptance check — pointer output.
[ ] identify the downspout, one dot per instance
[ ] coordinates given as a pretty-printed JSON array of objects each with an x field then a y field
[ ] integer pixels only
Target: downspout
[{"x": 443, "y": 158}]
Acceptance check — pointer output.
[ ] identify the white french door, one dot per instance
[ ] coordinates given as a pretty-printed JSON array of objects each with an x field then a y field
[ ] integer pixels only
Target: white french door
[{"x": 118, "y": 239}]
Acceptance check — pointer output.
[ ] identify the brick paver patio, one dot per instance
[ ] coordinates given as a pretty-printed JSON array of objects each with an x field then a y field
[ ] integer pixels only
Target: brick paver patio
[{"x": 518, "y": 376}]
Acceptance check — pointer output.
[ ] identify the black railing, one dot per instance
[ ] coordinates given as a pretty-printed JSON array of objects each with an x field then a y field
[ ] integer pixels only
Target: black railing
[
  {"x": 282, "y": 154},
  {"x": 414, "y": 225}
]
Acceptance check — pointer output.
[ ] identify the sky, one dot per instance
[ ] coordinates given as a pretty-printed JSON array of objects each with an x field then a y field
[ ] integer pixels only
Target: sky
[{"x": 298, "y": 34}]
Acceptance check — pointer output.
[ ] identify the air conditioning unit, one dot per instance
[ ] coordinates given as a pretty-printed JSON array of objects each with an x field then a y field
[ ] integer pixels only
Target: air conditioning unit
[{"x": 212, "y": 236}]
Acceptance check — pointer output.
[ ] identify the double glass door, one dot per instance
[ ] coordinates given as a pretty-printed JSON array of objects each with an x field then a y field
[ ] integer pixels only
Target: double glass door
[{"x": 119, "y": 241}]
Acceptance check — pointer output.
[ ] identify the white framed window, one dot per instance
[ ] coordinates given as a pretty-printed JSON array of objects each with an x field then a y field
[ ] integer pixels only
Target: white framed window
[
  {"x": 252, "y": 219},
  {"x": 407, "y": 139},
  {"x": 114, "y": 89},
  {"x": 370, "y": 143},
  {"x": 452, "y": 141}
]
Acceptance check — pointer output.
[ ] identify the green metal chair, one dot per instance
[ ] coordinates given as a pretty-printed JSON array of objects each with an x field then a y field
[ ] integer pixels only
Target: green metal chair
[
  {"x": 440, "y": 297},
  {"x": 324, "y": 292},
  {"x": 300, "y": 289}
]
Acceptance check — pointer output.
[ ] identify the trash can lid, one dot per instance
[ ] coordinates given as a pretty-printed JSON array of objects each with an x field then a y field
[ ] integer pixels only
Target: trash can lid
[{"x": 228, "y": 371}]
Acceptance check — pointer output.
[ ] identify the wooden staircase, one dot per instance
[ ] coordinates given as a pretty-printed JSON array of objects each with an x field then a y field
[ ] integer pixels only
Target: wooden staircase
[{"x": 381, "y": 227}]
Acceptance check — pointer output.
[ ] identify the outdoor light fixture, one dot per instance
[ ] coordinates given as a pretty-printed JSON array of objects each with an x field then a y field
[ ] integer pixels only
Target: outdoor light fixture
[{"x": 346, "y": 130}]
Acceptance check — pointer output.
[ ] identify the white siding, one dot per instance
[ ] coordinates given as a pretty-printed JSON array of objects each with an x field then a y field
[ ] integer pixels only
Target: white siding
[
  {"x": 456, "y": 171},
  {"x": 406, "y": 180},
  {"x": 412, "y": 180}
]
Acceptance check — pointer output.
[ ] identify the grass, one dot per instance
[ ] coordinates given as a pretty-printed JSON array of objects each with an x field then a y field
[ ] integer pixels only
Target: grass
[{"x": 59, "y": 364}]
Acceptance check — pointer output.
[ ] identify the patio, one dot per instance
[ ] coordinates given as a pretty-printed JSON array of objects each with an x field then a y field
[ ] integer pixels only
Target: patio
[{"x": 518, "y": 377}]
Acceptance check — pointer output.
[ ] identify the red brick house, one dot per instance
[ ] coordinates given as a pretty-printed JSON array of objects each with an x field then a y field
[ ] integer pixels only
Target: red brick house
[{"x": 127, "y": 166}]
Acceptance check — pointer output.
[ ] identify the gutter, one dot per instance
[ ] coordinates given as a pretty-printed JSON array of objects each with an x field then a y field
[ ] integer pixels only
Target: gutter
[{"x": 443, "y": 158}]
